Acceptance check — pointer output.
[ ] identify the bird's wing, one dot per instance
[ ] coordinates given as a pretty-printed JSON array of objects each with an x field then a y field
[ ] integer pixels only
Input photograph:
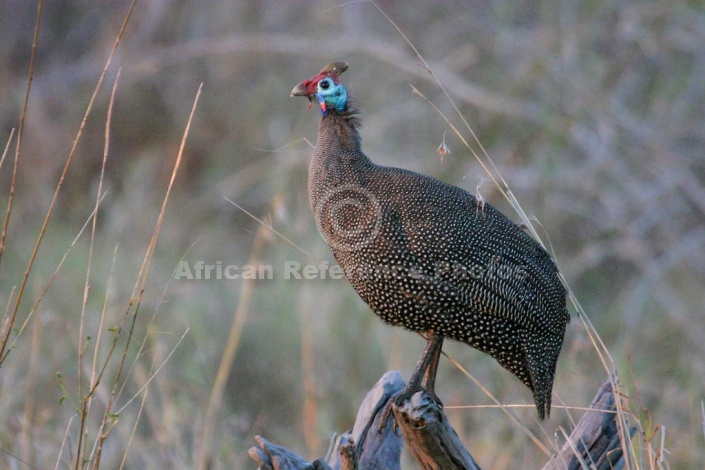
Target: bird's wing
[{"x": 493, "y": 265}]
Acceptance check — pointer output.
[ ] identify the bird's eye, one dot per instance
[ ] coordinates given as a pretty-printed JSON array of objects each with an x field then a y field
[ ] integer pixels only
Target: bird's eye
[{"x": 324, "y": 84}]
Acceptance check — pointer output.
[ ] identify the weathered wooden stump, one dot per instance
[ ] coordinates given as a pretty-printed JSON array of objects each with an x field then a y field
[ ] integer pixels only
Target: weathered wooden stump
[
  {"x": 431, "y": 439},
  {"x": 363, "y": 447},
  {"x": 594, "y": 443}
]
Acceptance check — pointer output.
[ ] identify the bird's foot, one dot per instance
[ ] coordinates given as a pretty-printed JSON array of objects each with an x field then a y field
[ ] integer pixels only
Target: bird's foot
[{"x": 403, "y": 396}]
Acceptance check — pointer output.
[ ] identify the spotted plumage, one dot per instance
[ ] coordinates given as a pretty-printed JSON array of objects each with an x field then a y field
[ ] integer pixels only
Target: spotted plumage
[{"x": 429, "y": 256}]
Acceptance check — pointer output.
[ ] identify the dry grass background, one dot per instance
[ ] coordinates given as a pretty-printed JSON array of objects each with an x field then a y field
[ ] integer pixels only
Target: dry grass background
[{"x": 593, "y": 112}]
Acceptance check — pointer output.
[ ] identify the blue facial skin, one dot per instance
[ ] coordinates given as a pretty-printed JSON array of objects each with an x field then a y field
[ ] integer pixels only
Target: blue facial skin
[{"x": 330, "y": 95}]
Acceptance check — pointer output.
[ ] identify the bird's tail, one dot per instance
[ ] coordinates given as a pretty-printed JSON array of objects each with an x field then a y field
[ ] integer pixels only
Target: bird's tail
[{"x": 542, "y": 354}]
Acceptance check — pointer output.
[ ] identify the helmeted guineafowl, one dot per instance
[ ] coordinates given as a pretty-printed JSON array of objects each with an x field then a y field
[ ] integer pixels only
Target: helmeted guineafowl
[{"x": 428, "y": 256}]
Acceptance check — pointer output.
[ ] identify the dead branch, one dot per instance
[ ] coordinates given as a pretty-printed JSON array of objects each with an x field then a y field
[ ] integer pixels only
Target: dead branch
[{"x": 594, "y": 443}]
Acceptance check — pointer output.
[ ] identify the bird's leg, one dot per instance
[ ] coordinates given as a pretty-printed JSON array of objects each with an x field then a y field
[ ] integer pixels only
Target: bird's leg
[
  {"x": 426, "y": 365},
  {"x": 430, "y": 378},
  {"x": 425, "y": 369}
]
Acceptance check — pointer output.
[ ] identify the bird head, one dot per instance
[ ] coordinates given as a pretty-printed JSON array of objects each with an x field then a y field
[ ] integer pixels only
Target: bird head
[{"x": 325, "y": 87}]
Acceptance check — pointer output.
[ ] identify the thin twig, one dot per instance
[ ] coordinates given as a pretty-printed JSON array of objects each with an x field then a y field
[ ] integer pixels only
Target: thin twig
[
  {"x": 86, "y": 401},
  {"x": 69, "y": 159},
  {"x": 18, "y": 147},
  {"x": 274, "y": 231},
  {"x": 504, "y": 408},
  {"x": 138, "y": 289},
  {"x": 7, "y": 147},
  {"x": 49, "y": 283},
  {"x": 5, "y": 334}
]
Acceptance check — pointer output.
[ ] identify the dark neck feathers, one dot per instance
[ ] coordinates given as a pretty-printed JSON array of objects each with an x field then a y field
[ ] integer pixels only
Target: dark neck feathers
[{"x": 340, "y": 129}]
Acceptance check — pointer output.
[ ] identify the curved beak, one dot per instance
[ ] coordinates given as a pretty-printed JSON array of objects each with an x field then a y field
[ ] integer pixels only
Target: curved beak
[{"x": 300, "y": 89}]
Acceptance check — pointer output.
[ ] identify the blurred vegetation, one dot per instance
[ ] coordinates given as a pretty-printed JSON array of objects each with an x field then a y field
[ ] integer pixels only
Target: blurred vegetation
[{"x": 592, "y": 111}]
